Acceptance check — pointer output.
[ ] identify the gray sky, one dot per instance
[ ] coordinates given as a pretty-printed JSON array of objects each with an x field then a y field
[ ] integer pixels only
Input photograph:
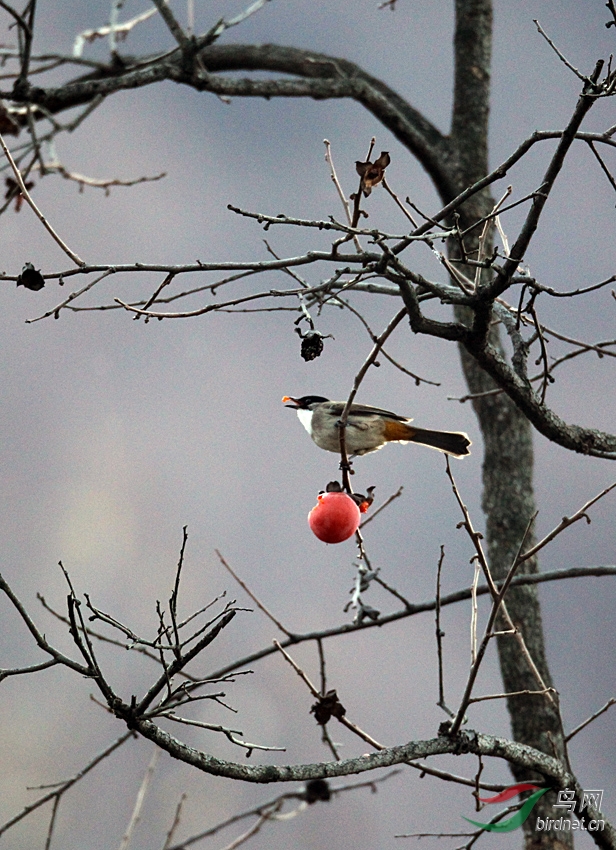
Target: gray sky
[{"x": 115, "y": 433}]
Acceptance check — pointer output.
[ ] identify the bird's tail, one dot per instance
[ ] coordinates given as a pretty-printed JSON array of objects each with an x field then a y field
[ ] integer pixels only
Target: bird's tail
[{"x": 454, "y": 443}]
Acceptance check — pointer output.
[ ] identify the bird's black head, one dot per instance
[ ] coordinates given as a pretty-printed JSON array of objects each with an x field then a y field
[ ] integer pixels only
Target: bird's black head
[{"x": 305, "y": 402}]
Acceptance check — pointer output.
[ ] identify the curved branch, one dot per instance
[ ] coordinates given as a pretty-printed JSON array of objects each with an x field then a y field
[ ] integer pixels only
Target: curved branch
[
  {"x": 406, "y": 123},
  {"x": 588, "y": 441},
  {"x": 319, "y": 76}
]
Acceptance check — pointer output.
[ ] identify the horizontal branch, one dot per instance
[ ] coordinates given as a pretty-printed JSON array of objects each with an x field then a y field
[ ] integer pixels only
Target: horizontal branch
[
  {"x": 257, "y": 265},
  {"x": 412, "y": 610},
  {"x": 478, "y": 744},
  {"x": 466, "y": 742}
]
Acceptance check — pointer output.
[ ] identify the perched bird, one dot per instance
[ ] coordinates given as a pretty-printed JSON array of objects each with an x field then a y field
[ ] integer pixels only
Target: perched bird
[{"x": 368, "y": 428}]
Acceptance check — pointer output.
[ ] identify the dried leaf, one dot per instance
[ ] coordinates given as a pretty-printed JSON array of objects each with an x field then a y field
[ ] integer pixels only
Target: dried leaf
[
  {"x": 327, "y": 707},
  {"x": 312, "y": 343},
  {"x": 31, "y": 278},
  {"x": 372, "y": 173}
]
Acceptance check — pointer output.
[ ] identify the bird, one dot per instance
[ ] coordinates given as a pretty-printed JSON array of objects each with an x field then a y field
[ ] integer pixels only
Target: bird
[{"x": 368, "y": 428}]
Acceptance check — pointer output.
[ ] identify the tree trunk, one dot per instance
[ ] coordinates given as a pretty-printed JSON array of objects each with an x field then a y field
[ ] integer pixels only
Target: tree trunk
[{"x": 508, "y": 499}]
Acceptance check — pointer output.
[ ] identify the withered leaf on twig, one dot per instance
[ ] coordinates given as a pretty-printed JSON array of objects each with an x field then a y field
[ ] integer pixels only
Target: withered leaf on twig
[
  {"x": 312, "y": 343},
  {"x": 30, "y": 278},
  {"x": 372, "y": 173},
  {"x": 328, "y": 706}
]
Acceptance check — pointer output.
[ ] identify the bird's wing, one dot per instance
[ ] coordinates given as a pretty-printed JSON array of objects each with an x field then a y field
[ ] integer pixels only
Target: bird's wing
[{"x": 367, "y": 410}]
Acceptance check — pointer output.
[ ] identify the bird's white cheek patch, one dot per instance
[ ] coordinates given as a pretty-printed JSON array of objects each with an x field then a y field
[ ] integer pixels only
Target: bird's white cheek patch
[{"x": 305, "y": 417}]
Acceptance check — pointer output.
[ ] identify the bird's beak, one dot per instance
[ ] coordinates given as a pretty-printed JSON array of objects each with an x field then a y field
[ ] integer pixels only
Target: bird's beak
[{"x": 286, "y": 398}]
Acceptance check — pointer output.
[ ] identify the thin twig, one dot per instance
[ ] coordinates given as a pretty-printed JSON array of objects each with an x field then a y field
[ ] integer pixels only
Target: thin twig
[
  {"x": 175, "y": 824},
  {"x": 418, "y": 380},
  {"x": 452, "y": 777},
  {"x": 141, "y": 795},
  {"x": 565, "y": 523},
  {"x": 344, "y": 720},
  {"x": 439, "y": 636},
  {"x": 484, "y": 239},
  {"x": 526, "y": 692},
  {"x": 62, "y": 787},
  {"x": 28, "y": 198},
  {"x": 606, "y": 170},
  {"x": 105, "y": 183},
  {"x": 546, "y": 377},
  {"x": 325, "y": 736},
  {"x": 231, "y": 734},
  {"x": 257, "y": 602},
  {"x": 52, "y": 822},
  {"x": 174, "y": 27},
  {"x": 392, "y": 590},
  {"x": 341, "y": 195},
  {"x": 173, "y": 601},
  {"x": 590, "y": 719},
  {"x": 474, "y": 612},
  {"x": 382, "y": 507},
  {"x": 498, "y": 606},
  {"x": 242, "y": 839},
  {"x": 111, "y": 30},
  {"x": 397, "y": 200},
  {"x": 562, "y": 58},
  {"x": 342, "y": 422}
]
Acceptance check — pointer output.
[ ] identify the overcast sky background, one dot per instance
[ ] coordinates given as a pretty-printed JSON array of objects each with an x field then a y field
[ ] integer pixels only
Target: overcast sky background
[{"x": 115, "y": 434}]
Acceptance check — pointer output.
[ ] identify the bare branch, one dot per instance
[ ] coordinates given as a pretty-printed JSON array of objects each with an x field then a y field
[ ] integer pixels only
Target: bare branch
[
  {"x": 565, "y": 523},
  {"x": 231, "y": 734},
  {"x": 139, "y": 801},
  {"x": 174, "y": 27},
  {"x": 559, "y": 54},
  {"x": 590, "y": 719},
  {"x": 259, "y": 604},
  {"x": 63, "y": 787},
  {"x": 315, "y": 693},
  {"x": 411, "y": 610},
  {"x": 28, "y": 198},
  {"x": 114, "y": 30}
]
